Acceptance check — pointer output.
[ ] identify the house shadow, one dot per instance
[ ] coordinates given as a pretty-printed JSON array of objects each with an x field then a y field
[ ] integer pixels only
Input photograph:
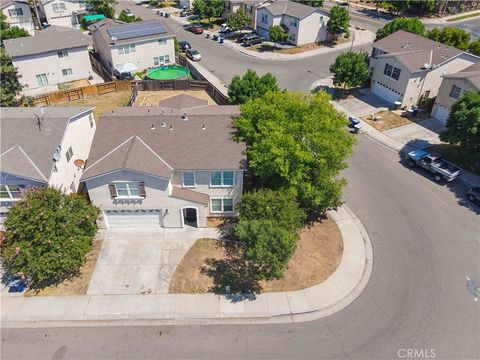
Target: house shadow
[{"x": 458, "y": 187}]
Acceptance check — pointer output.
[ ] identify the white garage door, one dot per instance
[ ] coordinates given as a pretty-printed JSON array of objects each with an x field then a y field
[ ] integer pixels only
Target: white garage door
[
  {"x": 133, "y": 218},
  {"x": 441, "y": 113},
  {"x": 386, "y": 94}
]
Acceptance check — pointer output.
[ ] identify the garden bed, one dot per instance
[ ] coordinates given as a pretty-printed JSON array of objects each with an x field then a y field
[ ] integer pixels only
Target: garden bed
[{"x": 318, "y": 254}]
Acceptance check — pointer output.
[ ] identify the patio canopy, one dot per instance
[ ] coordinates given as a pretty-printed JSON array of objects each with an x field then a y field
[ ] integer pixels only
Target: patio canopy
[
  {"x": 94, "y": 17},
  {"x": 125, "y": 68}
]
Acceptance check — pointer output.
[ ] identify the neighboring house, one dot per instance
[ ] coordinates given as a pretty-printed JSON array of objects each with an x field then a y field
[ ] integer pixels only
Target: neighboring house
[
  {"x": 67, "y": 13},
  {"x": 304, "y": 24},
  {"x": 452, "y": 88},
  {"x": 18, "y": 14},
  {"x": 144, "y": 44},
  {"x": 55, "y": 55},
  {"x": 187, "y": 4},
  {"x": 170, "y": 165},
  {"x": 41, "y": 147},
  {"x": 250, "y": 7},
  {"x": 406, "y": 67}
]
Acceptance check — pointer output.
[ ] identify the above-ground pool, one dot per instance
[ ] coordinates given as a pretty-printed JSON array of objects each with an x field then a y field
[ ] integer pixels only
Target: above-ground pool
[{"x": 168, "y": 72}]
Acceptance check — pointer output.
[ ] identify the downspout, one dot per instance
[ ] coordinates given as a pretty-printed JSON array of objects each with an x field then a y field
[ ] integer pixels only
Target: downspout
[{"x": 430, "y": 66}]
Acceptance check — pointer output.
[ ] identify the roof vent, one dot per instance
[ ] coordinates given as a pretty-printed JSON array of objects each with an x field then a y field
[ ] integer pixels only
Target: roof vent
[
  {"x": 203, "y": 127},
  {"x": 184, "y": 116},
  {"x": 56, "y": 156},
  {"x": 163, "y": 125},
  {"x": 152, "y": 127},
  {"x": 171, "y": 127},
  {"x": 163, "y": 111},
  {"x": 114, "y": 38}
]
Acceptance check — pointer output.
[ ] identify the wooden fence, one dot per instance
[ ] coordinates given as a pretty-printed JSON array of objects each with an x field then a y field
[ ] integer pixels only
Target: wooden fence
[
  {"x": 80, "y": 93},
  {"x": 99, "y": 68}
]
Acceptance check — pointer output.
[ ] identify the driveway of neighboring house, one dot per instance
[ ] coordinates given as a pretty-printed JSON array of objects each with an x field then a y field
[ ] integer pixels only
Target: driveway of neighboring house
[
  {"x": 141, "y": 261},
  {"x": 366, "y": 104},
  {"x": 419, "y": 134}
]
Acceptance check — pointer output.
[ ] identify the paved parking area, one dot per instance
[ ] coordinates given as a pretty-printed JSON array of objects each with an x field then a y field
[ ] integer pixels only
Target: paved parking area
[
  {"x": 141, "y": 261},
  {"x": 366, "y": 104},
  {"x": 419, "y": 135}
]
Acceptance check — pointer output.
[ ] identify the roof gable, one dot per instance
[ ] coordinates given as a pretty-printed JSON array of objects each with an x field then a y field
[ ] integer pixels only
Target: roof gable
[
  {"x": 15, "y": 161},
  {"x": 183, "y": 101}
]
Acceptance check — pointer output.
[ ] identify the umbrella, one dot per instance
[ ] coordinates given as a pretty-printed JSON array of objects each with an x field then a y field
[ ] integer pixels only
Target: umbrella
[{"x": 125, "y": 68}]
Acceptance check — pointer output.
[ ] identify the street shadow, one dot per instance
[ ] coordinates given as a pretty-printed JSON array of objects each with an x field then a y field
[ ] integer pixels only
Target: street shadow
[
  {"x": 458, "y": 187},
  {"x": 373, "y": 14}
]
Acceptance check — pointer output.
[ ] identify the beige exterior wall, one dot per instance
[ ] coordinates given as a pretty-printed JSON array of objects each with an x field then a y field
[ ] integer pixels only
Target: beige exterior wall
[
  {"x": 67, "y": 17},
  {"x": 50, "y": 64},
  {"x": 385, "y": 83},
  {"x": 443, "y": 96},
  {"x": 24, "y": 21}
]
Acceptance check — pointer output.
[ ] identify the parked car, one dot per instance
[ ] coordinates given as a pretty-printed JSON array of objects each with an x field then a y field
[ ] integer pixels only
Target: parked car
[
  {"x": 184, "y": 45},
  {"x": 196, "y": 29},
  {"x": 251, "y": 39},
  {"x": 224, "y": 28},
  {"x": 128, "y": 12},
  {"x": 186, "y": 13},
  {"x": 434, "y": 163},
  {"x": 122, "y": 76},
  {"x": 193, "y": 55},
  {"x": 473, "y": 194}
]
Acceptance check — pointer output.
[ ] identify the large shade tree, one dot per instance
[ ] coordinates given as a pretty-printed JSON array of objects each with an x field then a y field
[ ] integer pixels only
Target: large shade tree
[
  {"x": 451, "y": 36},
  {"x": 250, "y": 86},
  {"x": 10, "y": 32},
  {"x": 350, "y": 69},
  {"x": 105, "y": 7},
  {"x": 412, "y": 25},
  {"x": 277, "y": 35},
  {"x": 10, "y": 86},
  {"x": 339, "y": 21},
  {"x": 238, "y": 20},
  {"x": 206, "y": 9}
]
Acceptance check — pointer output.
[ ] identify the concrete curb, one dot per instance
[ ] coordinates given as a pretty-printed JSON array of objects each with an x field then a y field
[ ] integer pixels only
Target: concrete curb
[{"x": 316, "y": 302}]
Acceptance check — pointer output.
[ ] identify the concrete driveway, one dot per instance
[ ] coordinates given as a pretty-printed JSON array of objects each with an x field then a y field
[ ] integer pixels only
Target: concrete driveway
[
  {"x": 138, "y": 261},
  {"x": 419, "y": 135},
  {"x": 366, "y": 104}
]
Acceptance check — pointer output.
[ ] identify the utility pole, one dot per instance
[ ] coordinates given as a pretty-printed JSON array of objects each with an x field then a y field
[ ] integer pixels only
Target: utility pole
[{"x": 353, "y": 39}]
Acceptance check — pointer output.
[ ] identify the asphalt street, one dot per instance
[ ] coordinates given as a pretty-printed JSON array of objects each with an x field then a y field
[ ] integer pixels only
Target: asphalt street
[{"x": 425, "y": 239}]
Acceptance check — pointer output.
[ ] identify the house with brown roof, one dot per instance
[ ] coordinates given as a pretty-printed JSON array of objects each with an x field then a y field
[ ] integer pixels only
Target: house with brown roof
[
  {"x": 165, "y": 167},
  {"x": 452, "y": 88},
  {"x": 406, "y": 67}
]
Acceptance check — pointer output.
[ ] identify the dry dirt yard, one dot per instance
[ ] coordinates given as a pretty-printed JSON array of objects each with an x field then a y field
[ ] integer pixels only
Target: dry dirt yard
[
  {"x": 318, "y": 254},
  {"x": 77, "y": 285},
  {"x": 149, "y": 98},
  {"x": 392, "y": 119},
  {"x": 103, "y": 103}
]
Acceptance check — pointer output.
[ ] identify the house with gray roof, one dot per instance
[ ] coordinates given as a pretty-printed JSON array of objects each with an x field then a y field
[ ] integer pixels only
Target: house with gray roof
[
  {"x": 53, "y": 56},
  {"x": 142, "y": 44},
  {"x": 18, "y": 13},
  {"x": 453, "y": 87},
  {"x": 250, "y": 8},
  {"x": 304, "y": 24},
  {"x": 66, "y": 13},
  {"x": 42, "y": 147},
  {"x": 406, "y": 67},
  {"x": 165, "y": 167}
]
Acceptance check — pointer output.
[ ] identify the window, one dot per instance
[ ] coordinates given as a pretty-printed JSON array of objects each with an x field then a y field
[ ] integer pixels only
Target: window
[
  {"x": 10, "y": 192},
  {"x": 392, "y": 72},
  {"x": 321, "y": 19},
  {"x": 15, "y": 12},
  {"x": 69, "y": 154},
  {"x": 188, "y": 179},
  {"x": 249, "y": 8},
  {"x": 90, "y": 120},
  {"x": 222, "y": 178},
  {"x": 292, "y": 37},
  {"x": 162, "y": 41},
  {"x": 293, "y": 23},
  {"x": 220, "y": 205},
  {"x": 126, "y": 49},
  {"x": 62, "y": 54},
  {"x": 265, "y": 18},
  {"x": 127, "y": 189},
  {"x": 42, "y": 79},
  {"x": 455, "y": 92},
  {"x": 59, "y": 7},
  {"x": 167, "y": 59},
  {"x": 66, "y": 72},
  {"x": 158, "y": 60}
]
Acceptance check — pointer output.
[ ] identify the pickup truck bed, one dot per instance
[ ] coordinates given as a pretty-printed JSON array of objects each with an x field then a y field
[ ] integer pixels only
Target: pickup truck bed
[{"x": 434, "y": 163}]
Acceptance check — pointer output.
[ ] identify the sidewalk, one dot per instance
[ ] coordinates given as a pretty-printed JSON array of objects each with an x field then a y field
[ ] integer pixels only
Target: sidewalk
[{"x": 316, "y": 302}]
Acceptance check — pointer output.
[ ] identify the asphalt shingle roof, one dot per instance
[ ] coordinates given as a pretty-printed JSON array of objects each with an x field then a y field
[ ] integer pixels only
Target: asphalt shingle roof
[
  {"x": 183, "y": 101},
  {"x": 471, "y": 73},
  {"x": 291, "y": 8},
  {"x": 190, "y": 195}
]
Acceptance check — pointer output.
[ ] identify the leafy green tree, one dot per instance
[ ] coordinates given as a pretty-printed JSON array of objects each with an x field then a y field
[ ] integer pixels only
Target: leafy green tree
[
  {"x": 206, "y": 9},
  {"x": 276, "y": 34},
  {"x": 105, "y": 7},
  {"x": 278, "y": 205},
  {"x": 10, "y": 87},
  {"x": 426, "y": 6},
  {"x": 350, "y": 69},
  {"x": 296, "y": 142},
  {"x": 238, "y": 20},
  {"x": 128, "y": 19},
  {"x": 339, "y": 21},
  {"x": 250, "y": 86},
  {"x": 314, "y": 3},
  {"x": 412, "y": 25},
  {"x": 451, "y": 36},
  {"x": 48, "y": 235},
  {"x": 268, "y": 247},
  {"x": 474, "y": 47},
  {"x": 398, "y": 7},
  {"x": 10, "y": 32},
  {"x": 463, "y": 124}
]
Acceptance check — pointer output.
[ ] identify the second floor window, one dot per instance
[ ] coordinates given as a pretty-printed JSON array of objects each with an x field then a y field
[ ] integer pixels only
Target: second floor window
[
  {"x": 10, "y": 192},
  {"x": 162, "y": 41},
  {"x": 59, "y": 7},
  {"x": 69, "y": 154},
  {"x": 222, "y": 178},
  {"x": 188, "y": 179},
  {"x": 222, "y": 205},
  {"x": 126, "y": 189},
  {"x": 160, "y": 60},
  {"x": 62, "y": 53},
  {"x": 265, "y": 18},
  {"x": 66, "y": 72},
  {"x": 392, "y": 72},
  {"x": 455, "y": 92},
  {"x": 90, "y": 120},
  {"x": 15, "y": 12},
  {"x": 126, "y": 49}
]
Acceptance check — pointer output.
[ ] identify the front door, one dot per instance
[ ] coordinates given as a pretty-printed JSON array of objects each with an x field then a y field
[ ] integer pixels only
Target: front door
[{"x": 190, "y": 217}]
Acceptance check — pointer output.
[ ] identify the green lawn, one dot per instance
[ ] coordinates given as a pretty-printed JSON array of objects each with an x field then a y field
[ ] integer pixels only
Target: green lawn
[
  {"x": 455, "y": 155},
  {"x": 463, "y": 17},
  {"x": 215, "y": 22}
]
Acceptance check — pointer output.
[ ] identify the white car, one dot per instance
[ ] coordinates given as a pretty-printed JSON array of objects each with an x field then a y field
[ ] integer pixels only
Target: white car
[
  {"x": 224, "y": 28},
  {"x": 193, "y": 55}
]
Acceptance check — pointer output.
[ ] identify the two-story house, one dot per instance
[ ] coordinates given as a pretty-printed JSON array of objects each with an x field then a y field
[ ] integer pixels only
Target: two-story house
[
  {"x": 250, "y": 8},
  {"x": 18, "y": 13},
  {"x": 55, "y": 55},
  {"x": 67, "y": 13},
  {"x": 304, "y": 24},
  {"x": 144, "y": 44},
  {"x": 165, "y": 167},
  {"x": 406, "y": 67},
  {"x": 42, "y": 147},
  {"x": 452, "y": 88}
]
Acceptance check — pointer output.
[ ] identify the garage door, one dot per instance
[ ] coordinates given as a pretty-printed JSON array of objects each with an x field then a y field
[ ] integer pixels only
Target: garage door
[
  {"x": 385, "y": 93},
  {"x": 441, "y": 113},
  {"x": 133, "y": 218}
]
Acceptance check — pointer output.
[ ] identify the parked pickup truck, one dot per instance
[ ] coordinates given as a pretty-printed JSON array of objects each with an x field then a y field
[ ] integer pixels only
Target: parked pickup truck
[{"x": 433, "y": 162}]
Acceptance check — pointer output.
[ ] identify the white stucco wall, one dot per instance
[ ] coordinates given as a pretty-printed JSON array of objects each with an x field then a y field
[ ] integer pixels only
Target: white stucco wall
[
  {"x": 65, "y": 17},
  {"x": 50, "y": 64},
  {"x": 312, "y": 28},
  {"x": 78, "y": 135},
  {"x": 443, "y": 97},
  {"x": 24, "y": 21}
]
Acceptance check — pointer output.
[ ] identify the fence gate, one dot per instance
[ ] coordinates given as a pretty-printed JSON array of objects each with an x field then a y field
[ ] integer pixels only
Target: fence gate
[
  {"x": 75, "y": 94},
  {"x": 107, "y": 87}
]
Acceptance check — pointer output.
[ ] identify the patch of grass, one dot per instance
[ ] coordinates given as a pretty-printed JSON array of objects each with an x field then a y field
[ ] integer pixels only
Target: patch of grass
[
  {"x": 214, "y": 23},
  {"x": 463, "y": 17},
  {"x": 455, "y": 155},
  {"x": 77, "y": 285}
]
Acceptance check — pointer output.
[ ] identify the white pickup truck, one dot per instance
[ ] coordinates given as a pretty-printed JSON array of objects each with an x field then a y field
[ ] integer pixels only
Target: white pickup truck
[{"x": 433, "y": 162}]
